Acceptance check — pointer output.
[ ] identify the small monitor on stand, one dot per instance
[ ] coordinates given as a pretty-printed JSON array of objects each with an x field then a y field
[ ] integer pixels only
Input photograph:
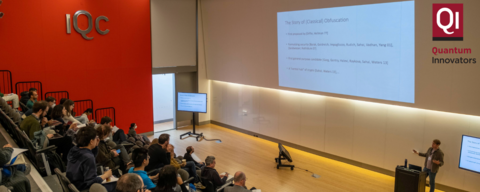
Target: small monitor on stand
[
  {"x": 283, "y": 155},
  {"x": 195, "y": 103}
]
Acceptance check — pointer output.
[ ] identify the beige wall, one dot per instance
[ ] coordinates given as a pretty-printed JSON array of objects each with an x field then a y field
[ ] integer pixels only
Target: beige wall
[
  {"x": 203, "y": 81},
  {"x": 173, "y": 33},
  {"x": 377, "y": 134},
  {"x": 241, "y": 47}
]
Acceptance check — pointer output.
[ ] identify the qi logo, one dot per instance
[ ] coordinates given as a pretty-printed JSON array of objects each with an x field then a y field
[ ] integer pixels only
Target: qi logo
[
  {"x": 90, "y": 24},
  {"x": 447, "y": 22}
]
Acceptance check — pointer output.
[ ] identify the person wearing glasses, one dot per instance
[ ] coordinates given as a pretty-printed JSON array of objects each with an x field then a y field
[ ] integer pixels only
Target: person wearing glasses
[
  {"x": 140, "y": 160},
  {"x": 81, "y": 166},
  {"x": 131, "y": 182},
  {"x": 433, "y": 161}
]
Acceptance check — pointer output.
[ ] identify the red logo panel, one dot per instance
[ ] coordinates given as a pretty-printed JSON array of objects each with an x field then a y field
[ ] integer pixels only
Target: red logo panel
[{"x": 447, "y": 22}]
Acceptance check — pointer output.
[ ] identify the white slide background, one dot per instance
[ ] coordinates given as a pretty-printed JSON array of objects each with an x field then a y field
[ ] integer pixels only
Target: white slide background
[
  {"x": 470, "y": 154},
  {"x": 364, "y": 50}
]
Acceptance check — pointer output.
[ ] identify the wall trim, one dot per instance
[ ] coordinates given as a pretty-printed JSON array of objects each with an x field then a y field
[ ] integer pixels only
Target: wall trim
[
  {"x": 179, "y": 69},
  {"x": 328, "y": 155},
  {"x": 147, "y": 133},
  {"x": 163, "y": 121},
  {"x": 204, "y": 122}
]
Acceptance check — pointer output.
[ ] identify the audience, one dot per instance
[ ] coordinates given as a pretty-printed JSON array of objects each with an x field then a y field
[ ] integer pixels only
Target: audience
[
  {"x": 51, "y": 104},
  {"x": 84, "y": 117},
  {"x": 188, "y": 157},
  {"x": 13, "y": 176},
  {"x": 187, "y": 166},
  {"x": 119, "y": 136},
  {"x": 107, "y": 156},
  {"x": 25, "y": 95},
  {"x": 13, "y": 98},
  {"x": 32, "y": 124},
  {"x": 159, "y": 156},
  {"x": 81, "y": 166},
  {"x": 139, "y": 140},
  {"x": 107, "y": 121},
  {"x": 140, "y": 159},
  {"x": 130, "y": 183},
  {"x": 210, "y": 174},
  {"x": 239, "y": 180},
  {"x": 63, "y": 101},
  {"x": 168, "y": 181},
  {"x": 69, "y": 105},
  {"x": 64, "y": 144},
  {"x": 33, "y": 96}
]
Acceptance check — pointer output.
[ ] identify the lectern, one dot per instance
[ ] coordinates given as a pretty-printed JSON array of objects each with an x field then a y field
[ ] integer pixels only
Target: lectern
[{"x": 409, "y": 180}]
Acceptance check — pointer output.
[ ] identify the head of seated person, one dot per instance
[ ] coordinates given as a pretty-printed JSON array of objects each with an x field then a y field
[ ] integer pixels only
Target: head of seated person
[
  {"x": 210, "y": 162},
  {"x": 88, "y": 112},
  {"x": 106, "y": 121},
  {"x": 167, "y": 179},
  {"x": 130, "y": 183},
  {"x": 33, "y": 95},
  {"x": 51, "y": 101},
  {"x": 40, "y": 109},
  {"x": 103, "y": 131},
  {"x": 140, "y": 158},
  {"x": 239, "y": 178},
  {"x": 62, "y": 100},
  {"x": 69, "y": 105},
  {"x": 58, "y": 112}
]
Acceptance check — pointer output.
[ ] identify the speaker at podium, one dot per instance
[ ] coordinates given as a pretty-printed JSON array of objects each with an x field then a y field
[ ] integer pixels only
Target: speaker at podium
[{"x": 410, "y": 179}]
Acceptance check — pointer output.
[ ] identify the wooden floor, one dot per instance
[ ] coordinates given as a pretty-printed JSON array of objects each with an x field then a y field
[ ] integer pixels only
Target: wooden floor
[{"x": 256, "y": 157}]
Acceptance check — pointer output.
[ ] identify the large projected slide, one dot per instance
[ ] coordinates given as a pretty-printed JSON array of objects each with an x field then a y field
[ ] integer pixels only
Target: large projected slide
[
  {"x": 365, "y": 50},
  {"x": 470, "y": 154}
]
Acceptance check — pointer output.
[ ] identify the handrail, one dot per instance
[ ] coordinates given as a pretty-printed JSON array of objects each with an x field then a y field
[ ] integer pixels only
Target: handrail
[
  {"x": 82, "y": 105},
  {"x": 58, "y": 95},
  {"x": 105, "y": 112},
  {"x": 25, "y": 84},
  {"x": 5, "y": 87}
]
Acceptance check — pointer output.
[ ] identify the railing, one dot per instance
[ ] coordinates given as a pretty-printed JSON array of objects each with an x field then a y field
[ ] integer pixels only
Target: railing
[
  {"x": 58, "y": 95},
  {"x": 102, "y": 112},
  {"x": 6, "y": 83},
  {"x": 26, "y": 85},
  {"x": 81, "y": 106}
]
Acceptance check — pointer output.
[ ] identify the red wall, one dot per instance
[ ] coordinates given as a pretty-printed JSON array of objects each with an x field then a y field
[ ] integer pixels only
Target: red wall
[{"x": 113, "y": 70}]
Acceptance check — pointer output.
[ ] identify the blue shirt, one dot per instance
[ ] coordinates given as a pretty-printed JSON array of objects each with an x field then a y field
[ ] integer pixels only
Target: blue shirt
[{"x": 146, "y": 180}]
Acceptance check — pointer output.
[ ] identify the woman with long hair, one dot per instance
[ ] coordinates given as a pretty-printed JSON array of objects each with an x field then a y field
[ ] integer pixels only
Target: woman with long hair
[
  {"x": 63, "y": 144},
  {"x": 69, "y": 105},
  {"x": 168, "y": 179}
]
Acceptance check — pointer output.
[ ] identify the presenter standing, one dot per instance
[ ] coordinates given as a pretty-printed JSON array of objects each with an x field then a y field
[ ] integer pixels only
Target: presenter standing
[{"x": 433, "y": 161}]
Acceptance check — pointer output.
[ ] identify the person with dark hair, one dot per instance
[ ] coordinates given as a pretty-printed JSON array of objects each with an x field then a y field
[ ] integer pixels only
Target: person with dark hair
[
  {"x": 110, "y": 140},
  {"x": 84, "y": 117},
  {"x": 32, "y": 124},
  {"x": 209, "y": 173},
  {"x": 81, "y": 166},
  {"x": 130, "y": 183},
  {"x": 140, "y": 160},
  {"x": 69, "y": 105},
  {"x": 159, "y": 156},
  {"x": 168, "y": 180},
  {"x": 62, "y": 100},
  {"x": 188, "y": 157},
  {"x": 51, "y": 104},
  {"x": 139, "y": 140},
  {"x": 107, "y": 156},
  {"x": 433, "y": 161},
  {"x": 64, "y": 144},
  {"x": 187, "y": 166},
  {"x": 33, "y": 96}
]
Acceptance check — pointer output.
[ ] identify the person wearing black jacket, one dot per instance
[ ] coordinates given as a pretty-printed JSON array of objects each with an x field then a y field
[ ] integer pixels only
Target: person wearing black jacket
[
  {"x": 64, "y": 144},
  {"x": 81, "y": 166},
  {"x": 188, "y": 157},
  {"x": 159, "y": 156},
  {"x": 51, "y": 103},
  {"x": 209, "y": 173}
]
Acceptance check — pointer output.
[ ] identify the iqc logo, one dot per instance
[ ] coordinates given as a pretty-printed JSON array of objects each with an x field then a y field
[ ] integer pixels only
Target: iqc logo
[{"x": 447, "y": 22}]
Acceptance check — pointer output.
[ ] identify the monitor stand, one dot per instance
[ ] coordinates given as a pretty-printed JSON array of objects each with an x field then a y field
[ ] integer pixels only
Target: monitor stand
[
  {"x": 279, "y": 161},
  {"x": 198, "y": 135}
]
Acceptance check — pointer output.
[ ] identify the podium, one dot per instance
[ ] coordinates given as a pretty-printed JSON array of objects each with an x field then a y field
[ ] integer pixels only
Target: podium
[{"x": 409, "y": 180}]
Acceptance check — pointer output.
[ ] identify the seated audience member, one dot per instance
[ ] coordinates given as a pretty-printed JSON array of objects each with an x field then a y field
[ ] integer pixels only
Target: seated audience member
[
  {"x": 159, "y": 156},
  {"x": 33, "y": 96},
  {"x": 16, "y": 177},
  {"x": 69, "y": 105},
  {"x": 51, "y": 104},
  {"x": 188, "y": 157},
  {"x": 119, "y": 136},
  {"x": 140, "y": 159},
  {"x": 209, "y": 173},
  {"x": 32, "y": 124},
  {"x": 187, "y": 166},
  {"x": 130, "y": 183},
  {"x": 107, "y": 121},
  {"x": 25, "y": 95},
  {"x": 168, "y": 181},
  {"x": 108, "y": 157},
  {"x": 239, "y": 180},
  {"x": 81, "y": 166},
  {"x": 13, "y": 98},
  {"x": 62, "y": 100},
  {"x": 63, "y": 144},
  {"x": 84, "y": 117},
  {"x": 138, "y": 138}
]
